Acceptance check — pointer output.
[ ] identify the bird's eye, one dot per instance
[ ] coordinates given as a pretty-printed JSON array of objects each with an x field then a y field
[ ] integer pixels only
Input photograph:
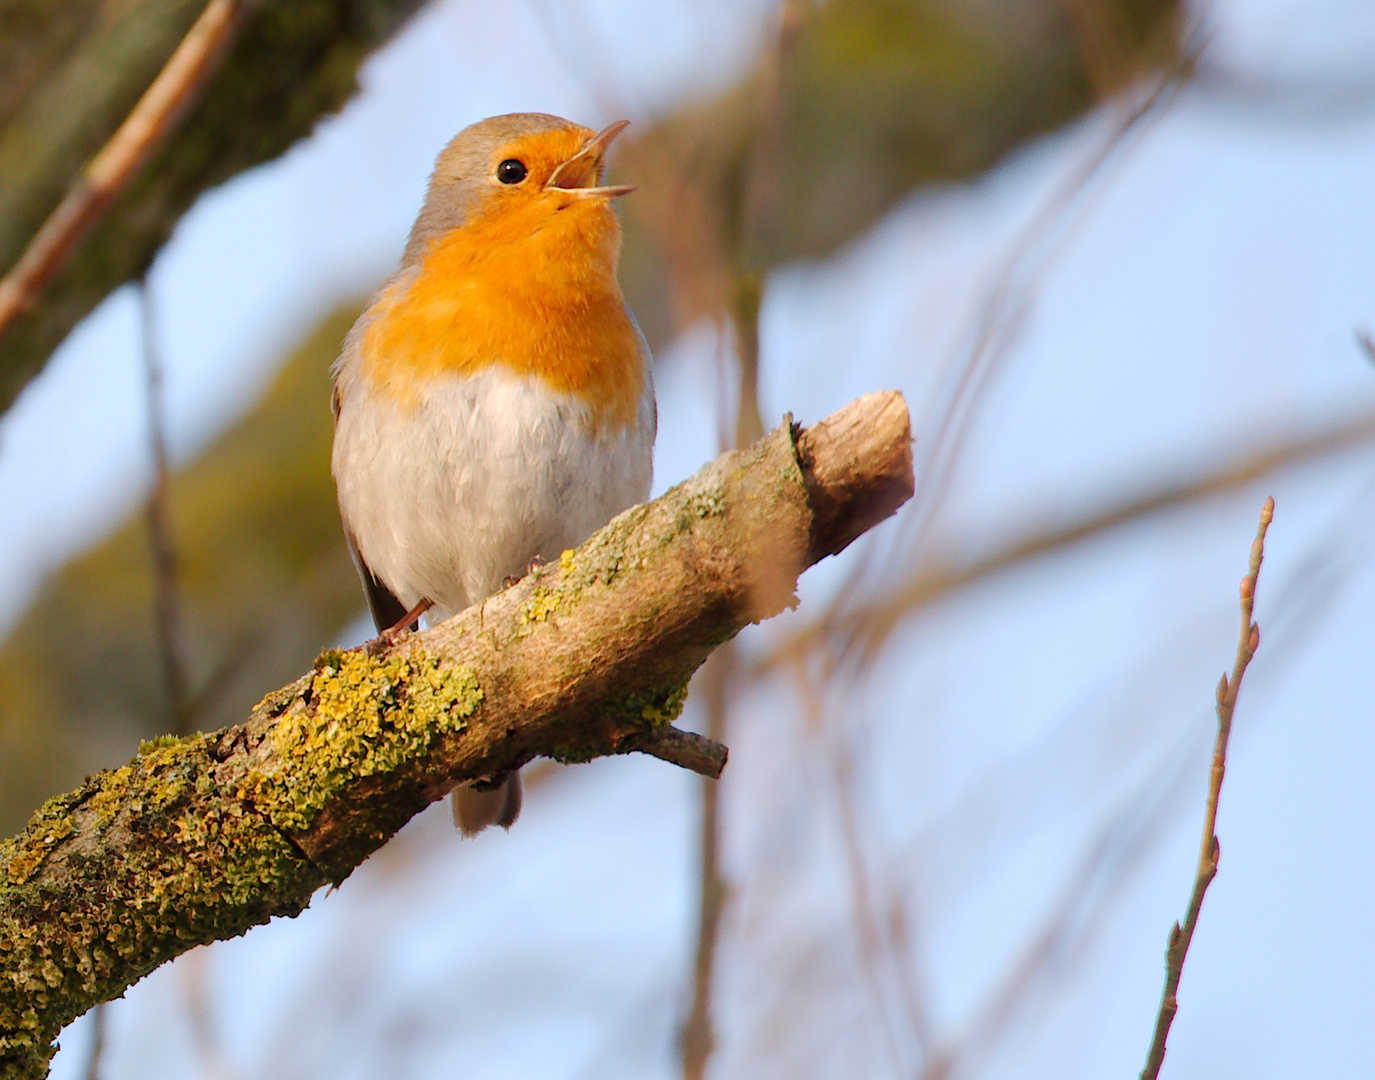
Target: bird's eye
[{"x": 511, "y": 171}]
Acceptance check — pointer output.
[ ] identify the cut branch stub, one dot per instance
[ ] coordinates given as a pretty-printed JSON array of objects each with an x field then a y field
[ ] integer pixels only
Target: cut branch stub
[{"x": 199, "y": 839}]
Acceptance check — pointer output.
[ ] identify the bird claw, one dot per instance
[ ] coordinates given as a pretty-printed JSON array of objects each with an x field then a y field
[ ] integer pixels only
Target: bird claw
[
  {"x": 511, "y": 579},
  {"x": 408, "y": 622}
]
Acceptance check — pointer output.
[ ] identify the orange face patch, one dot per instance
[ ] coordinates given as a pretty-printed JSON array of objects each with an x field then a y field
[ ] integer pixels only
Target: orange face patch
[{"x": 527, "y": 283}]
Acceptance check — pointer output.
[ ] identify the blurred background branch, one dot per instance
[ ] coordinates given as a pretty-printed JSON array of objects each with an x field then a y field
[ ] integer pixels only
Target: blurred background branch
[
  {"x": 145, "y": 129},
  {"x": 79, "y": 67}
]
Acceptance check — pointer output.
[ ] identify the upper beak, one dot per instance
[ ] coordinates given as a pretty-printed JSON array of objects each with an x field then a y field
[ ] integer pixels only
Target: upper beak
[{"x": 579, "y": 174}]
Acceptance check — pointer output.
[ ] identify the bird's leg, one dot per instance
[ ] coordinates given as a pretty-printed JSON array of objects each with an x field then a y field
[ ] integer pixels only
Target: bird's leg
[{"x": 408, "y": 621}]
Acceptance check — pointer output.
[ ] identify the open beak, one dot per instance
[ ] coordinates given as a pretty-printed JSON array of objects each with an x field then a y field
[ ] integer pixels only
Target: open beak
[{"x": 580, "y": 173}]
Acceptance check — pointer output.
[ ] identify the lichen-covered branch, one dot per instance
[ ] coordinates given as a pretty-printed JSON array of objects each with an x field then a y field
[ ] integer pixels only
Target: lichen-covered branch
[{"x": 201, "y": 838}]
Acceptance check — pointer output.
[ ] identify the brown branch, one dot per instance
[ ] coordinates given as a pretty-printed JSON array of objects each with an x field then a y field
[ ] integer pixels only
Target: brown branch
[
  {"x": 143, "y": 131},
  {"x": 198, "y": 839},
  {"x": 685, "y": 749},
  {"x": 697, "y": 1039},
  {"x": 1227, "y": 691}
]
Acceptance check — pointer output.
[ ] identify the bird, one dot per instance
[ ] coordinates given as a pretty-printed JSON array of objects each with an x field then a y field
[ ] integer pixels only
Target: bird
[{"x": 493, "y": 404}]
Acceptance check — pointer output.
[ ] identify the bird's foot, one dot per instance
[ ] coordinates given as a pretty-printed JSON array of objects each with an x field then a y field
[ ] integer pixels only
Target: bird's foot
[
  {"x": 512, "y": 579},
  {"x": 408, "y": 622}
]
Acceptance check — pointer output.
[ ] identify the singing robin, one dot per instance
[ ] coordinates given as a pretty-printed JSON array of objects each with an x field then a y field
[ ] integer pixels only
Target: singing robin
[{"x": 493, "y": 404}]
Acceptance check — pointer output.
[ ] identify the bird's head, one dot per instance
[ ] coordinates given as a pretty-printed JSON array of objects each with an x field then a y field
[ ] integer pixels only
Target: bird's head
[{"x": 516, "y": 174}]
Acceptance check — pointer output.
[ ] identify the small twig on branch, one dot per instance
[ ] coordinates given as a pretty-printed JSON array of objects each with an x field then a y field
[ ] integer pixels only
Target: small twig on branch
[
  {"x": 164, "y": 103},
  {"x": 1227, "y": 691},
  {"x": 685, "y": 749}
]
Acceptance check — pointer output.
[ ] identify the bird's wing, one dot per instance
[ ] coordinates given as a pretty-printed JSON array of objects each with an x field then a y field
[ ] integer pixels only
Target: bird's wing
[{"x": 386, "y": 609}]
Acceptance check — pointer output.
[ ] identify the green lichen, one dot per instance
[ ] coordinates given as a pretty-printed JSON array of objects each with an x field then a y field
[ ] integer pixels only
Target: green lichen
[
  {"x": 160, "y": 742},
  {"x": 646, "y": 710},
  {"x": 705, "y": 499},
  {"x": 597, "y": 562},
  {"x": 368, "y": 716},
  {"x": 541, "y": 604},
  {"x": 666, "y": 709},
  {"x": 143, "y": 863},
  {"x": 24, "y": 854}
]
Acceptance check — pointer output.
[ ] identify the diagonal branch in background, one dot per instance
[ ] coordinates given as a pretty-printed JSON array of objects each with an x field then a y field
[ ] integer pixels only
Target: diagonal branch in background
[
  {"x": 198, "y": 839},
  {"x": 869, "y": 625},
  {"x": 153, "y": 119},
  {"x": 1227, "y": 690}
]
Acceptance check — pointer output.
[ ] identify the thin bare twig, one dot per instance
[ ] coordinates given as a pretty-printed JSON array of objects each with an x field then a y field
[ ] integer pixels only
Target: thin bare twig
[
  {"x": 1227, "y": 691},
  {"x": 200, "y": 1016},
  {"x": 759, "y": 217},
  {"x": 872, "y": 945},
  {"x": 97, "y": 1041},
  {"x": 164, "y": 103},
  {"x": 697, "y": 1038},
  {"x": 166, "y": 608}
]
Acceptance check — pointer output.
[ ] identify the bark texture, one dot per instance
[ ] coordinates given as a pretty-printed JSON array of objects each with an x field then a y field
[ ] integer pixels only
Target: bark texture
[{"x": 201, "y": 838}]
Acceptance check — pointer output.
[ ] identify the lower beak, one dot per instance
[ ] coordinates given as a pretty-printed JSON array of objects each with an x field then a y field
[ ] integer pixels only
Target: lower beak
[{"x": 579, "y": 175}]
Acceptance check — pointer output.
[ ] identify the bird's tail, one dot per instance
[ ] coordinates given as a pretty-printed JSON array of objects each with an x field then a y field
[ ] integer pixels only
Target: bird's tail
[{"x": 474, "y": 810}]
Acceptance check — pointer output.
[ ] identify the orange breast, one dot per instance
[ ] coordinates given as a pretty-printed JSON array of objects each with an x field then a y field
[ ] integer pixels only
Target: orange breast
[{"x": 531, "y": 288}]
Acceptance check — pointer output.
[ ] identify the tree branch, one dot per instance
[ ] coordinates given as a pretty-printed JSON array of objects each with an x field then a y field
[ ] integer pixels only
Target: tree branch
[{"x": 198, "y": 839}]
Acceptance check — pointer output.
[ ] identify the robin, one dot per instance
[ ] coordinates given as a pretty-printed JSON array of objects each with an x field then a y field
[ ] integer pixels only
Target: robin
[{"x": 493, "y": 404}]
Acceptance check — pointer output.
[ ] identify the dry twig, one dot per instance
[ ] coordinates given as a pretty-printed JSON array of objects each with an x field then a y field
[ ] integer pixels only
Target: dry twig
[
  {"x": 1227, "y": 691},
  {"x": 152, "y": 119}
]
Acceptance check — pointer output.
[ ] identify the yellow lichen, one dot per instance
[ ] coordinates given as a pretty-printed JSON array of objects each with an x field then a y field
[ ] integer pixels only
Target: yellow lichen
[
  {"x": 541, "y": 603},
  {"x": 368, "y": 716},
  {"x": 25, "y": 853}
]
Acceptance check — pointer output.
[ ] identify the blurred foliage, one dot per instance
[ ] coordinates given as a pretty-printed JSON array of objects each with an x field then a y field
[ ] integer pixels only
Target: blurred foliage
[
  {"x": 860, "y": 102},
  {"x": 264, "y": 582},
  {"x": 70, "y": 71}
]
